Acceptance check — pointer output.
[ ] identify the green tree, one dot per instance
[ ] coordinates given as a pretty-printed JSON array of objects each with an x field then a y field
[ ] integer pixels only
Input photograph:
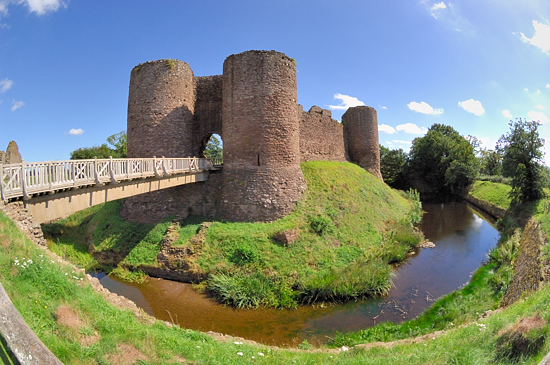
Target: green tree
[
  {"x": 116, "y": 147},
  {"x": 490, "y": 163},
  {"x": 213, "y": 148},
  {"x": 521, "y": 151},
  {"x": 442, "y": 162},
  {"x": 392, "y": 167}
]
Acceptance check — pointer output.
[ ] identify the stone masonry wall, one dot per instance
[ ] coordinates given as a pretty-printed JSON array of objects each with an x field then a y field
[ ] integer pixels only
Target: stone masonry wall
[
  {"x": 266, "y": 135},
  {"x": 262, "y": 175},
  {"x": 161, "y": 103},
  {"x": 321, "y": 137},
  {"x": 208, "y": 110},
  {"x": 361, "y": 138}
]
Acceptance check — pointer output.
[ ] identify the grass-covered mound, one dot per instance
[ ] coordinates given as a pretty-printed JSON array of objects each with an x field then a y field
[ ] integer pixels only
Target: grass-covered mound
[
  {"x": 338, "y": 244},
  {"x": 492, "y": 192},
  {"x": 47, "y": 292}
]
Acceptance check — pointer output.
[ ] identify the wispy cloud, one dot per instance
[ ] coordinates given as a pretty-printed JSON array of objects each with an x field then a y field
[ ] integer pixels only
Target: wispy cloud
[
  {"x": 386, "y": 129},
  {"x": 548, "y": 86},
  {"x": 540, "y": 107},
  {"x": 347, "y": 102},
  {"x": 76, "y": 131},
  {"x": 424, "y": 108},
  {"x": 507, "y": 114},
  {"x": 39, "y": 7},
  {"x": 472, "y": 106},
  {"x": 16, "y": 105},
  {"x": 5, "y": 85},
  {"x": 541, "y": 38},
  {"x": 411, "y": 128},
  {"x": 383, "y": 107},
  {"x": 449, "y": 15},
  {"x": 538, "y": 117}
]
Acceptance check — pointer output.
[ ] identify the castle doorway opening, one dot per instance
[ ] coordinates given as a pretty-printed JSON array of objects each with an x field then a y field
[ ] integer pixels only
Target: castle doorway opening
[{"x": 212, "y": 148}]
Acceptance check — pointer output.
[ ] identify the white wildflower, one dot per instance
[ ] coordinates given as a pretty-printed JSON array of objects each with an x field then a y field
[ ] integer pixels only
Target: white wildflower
[{"x": 240, "y": 353}]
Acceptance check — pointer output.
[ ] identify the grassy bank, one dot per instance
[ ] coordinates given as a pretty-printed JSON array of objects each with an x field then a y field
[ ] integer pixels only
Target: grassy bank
[
  {"x": 338, "y": 244},
  {"x": 46, "y": 292}
]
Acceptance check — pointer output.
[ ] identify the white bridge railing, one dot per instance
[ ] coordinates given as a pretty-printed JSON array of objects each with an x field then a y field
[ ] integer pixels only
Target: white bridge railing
[{"x": 25, "y": 179}]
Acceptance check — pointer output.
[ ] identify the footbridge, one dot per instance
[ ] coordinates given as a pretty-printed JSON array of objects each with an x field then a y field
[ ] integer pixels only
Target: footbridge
[{"x": 56, "y": 189}]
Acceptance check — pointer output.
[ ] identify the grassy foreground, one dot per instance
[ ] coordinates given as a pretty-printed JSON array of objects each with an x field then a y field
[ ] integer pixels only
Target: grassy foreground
[
  {"x": 42, "y": 289},
  {"x": 346, "y": 231}
]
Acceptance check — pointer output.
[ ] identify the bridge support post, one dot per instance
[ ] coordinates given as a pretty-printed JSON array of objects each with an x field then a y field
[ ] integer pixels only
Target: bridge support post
[
  {"x": 112, "y": 171},
  {"x": 96, "y": 173},
  {"x": 23, "y": 177}
]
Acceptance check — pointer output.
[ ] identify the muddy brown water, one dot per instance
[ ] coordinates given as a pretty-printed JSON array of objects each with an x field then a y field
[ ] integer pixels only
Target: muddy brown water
[{"x": 463, "y": 236}]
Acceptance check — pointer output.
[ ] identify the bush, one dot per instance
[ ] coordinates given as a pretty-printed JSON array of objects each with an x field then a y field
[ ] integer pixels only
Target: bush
[
  {"x": 243, "y": 254},
  {"x": 321, "y": 224}
]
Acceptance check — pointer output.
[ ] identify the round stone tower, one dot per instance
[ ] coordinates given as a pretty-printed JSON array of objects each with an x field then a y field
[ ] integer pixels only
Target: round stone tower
[
  {"x": 361, "y": 138},
  {"x": 261, "y": 150},
  {"x": 161, "y": 103}
]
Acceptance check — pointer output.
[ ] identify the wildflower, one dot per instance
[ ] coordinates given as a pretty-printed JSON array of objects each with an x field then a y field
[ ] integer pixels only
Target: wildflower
[
  {"x": 238, "y": 343},
  {"x": 261, "y": 353},
  {"x": 253, "y": 357},
  {"x": 240, "y": 353},
  {"x": 345, "y": 348}
]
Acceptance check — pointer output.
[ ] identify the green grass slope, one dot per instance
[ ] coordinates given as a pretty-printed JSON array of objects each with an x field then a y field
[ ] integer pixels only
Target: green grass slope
[
  {"x": 348, "y": 228},
  {"x": 40, "y": 286}
]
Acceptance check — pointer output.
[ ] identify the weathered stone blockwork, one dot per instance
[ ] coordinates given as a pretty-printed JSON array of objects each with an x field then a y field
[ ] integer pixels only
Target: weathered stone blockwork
[
  {"x": 253, "y": 106},
  {"x": 361, "y": 138},
  {"x": 321, "y": 137}
]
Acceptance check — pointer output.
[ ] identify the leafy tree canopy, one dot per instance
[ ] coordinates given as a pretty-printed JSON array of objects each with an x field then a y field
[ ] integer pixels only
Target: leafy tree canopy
[
  {"x": 116, "y": 147},
  {"x": 442, "y": 161},
  {"x": 214, "y": 148},
  {"x": 521, "y": 151},
  {"x": 392, "y": 167}
]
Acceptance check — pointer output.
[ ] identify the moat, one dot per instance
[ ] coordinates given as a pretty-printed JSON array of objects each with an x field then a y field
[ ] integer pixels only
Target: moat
[{"x": 463, "y": 236}]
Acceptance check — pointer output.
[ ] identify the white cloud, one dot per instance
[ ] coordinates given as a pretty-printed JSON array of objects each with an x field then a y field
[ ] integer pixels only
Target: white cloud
[
  {"x": 485, "y": 142},
  {"x": 386, "y": 128},
  {"x": 472, "y": 106},
  {"x": 507, "y": 114},
  {"x": 548, "y": 86},
  {"x": 40, "y": 7},
  {"x": 538, "y": 116},
  {"x": 540, "y": 107},
  {"x": 411, "y": 128},
  {"x": 16, "y": 105},
  {"x": 5, "y": 85},
  {"x": 401, "y": 142},
  {"x": 424, "y": 108},
  {"x": 76, "y": 132},
  {"x": 347, "y": 102},
  {"x": 541, "y": 38},
  {"x": 383, "y": 107},
  {"x": 436, "y": 8}
]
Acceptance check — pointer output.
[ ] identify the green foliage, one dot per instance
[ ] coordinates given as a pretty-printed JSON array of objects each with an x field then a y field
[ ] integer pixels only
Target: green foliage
[
  {"x": 214, "y": 149},
  {"x": 321, "y": 224},
  {"x": 115, "y": 147},
  {"x": 243, "y": 254},
  {"x": 171, "y": 64},
  {"x": 393, "y": 165},
  {"x": 497, "y": 194},
  {"x": 490, "y": 163},
  {"x": 521, "y": 149},
  {"x": 444, "y": 160}
]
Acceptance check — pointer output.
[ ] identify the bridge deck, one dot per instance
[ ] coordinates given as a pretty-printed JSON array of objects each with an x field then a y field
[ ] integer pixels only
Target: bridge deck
[{"x": 28, "y": 179}]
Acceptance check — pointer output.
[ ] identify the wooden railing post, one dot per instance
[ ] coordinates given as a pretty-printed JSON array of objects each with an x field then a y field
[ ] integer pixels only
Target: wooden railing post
[
  {"x": 2, "y": 196},
  {"x": 155, "y": 168},
  {"x": 164, "y": 166},
  {"x": 112, "y": 171},
  {"x": 96, "y": 173},
  {"x": 23, "y": 177}
]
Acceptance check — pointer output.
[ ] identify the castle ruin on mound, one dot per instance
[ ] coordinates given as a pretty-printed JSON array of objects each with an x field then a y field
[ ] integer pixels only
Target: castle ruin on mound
[{"x": 266, "y": 135}]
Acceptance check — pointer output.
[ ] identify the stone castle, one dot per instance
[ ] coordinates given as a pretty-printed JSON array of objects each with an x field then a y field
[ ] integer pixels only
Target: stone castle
[{"x": 266, "y": 135}]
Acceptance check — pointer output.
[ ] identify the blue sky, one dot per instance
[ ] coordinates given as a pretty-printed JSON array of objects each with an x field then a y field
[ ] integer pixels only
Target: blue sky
[{"x": 472, "y": 64}]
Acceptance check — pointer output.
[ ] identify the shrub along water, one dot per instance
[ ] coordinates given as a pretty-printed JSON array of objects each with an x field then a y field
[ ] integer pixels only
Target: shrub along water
[{"x": 348, "y": 229}]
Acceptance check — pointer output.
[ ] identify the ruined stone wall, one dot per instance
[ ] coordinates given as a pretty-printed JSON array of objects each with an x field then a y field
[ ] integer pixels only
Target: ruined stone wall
[
  {"x": 208, "y": 110},
  {"x": 262, "y": 175},
  {"x": 321, "y": 137},
  {"x": 161, "y": 103},
  {"x": 361, "y": 138},
  {"x": 11, "y": 155}
]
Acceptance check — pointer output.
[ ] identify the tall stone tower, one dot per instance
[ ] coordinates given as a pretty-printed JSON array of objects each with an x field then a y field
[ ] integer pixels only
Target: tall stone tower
[
  {"x": 361, "y": 138},
  {"x": 161, "y": 103},
  {"x": 262, "y": 179}
]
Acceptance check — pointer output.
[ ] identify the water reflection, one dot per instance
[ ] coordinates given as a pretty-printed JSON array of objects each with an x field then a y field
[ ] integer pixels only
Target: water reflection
[{"x": 462, "y": 237}]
